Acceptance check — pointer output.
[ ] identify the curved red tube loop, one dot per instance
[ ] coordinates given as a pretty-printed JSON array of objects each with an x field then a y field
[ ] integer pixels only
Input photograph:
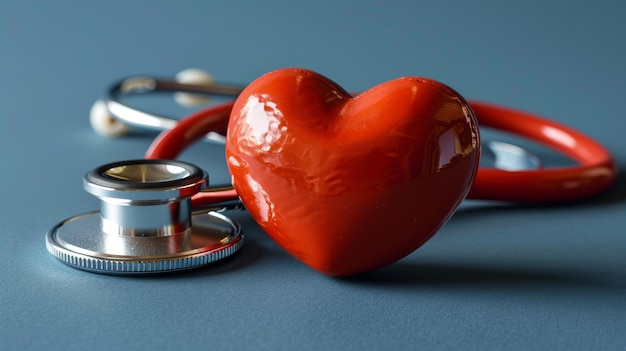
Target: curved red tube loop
[
  {"x": 595, "y": 173},
  {"x": 170, "y": 143}
]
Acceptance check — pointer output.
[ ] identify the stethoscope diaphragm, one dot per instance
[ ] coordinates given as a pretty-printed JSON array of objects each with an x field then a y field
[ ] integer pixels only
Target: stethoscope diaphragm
[{"x": 146, "y": 223}]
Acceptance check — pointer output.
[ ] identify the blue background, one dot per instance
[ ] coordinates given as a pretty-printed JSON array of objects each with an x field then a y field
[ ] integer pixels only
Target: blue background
[{"x": 495, "y": 277}]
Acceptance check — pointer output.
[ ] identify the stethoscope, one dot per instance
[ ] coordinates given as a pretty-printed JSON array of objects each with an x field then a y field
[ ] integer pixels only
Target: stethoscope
[{"x": 160, "y": 215}]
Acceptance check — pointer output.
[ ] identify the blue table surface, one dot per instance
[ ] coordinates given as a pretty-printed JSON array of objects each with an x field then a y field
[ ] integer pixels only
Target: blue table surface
[{"x": 495, "y": 277}]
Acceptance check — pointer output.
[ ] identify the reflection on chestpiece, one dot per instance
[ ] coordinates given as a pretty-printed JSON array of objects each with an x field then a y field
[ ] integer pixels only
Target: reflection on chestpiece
[{"x": 146, "y": 222}]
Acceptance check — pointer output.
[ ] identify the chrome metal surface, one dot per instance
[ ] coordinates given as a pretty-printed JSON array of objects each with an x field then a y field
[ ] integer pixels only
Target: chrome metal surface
[
  {"x": 148, "y": 173},
  {"x": 145, "y": 197},
  {"x": 80, "y": 243},
  {"x": 143, "y": 85},
  {"x": 510, "y": 157},
  {"x": 146, "y": 223}
]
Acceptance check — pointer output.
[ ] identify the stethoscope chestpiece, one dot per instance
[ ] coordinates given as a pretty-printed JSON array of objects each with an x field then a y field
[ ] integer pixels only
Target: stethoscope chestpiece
[{"x": 146, "y": 223}]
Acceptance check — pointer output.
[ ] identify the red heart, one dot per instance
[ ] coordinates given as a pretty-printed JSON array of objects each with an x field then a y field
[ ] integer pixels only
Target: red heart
[{"x": 350, "y": 184}]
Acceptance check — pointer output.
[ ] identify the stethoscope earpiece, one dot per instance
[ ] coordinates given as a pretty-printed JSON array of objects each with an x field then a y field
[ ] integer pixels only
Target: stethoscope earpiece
[
  {"x": 146, "y": 223},
  {"x": 103, "y": 123}
]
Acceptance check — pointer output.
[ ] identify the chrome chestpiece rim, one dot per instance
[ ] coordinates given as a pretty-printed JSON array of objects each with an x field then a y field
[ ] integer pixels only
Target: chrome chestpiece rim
[{"x": 146, "y": 223}]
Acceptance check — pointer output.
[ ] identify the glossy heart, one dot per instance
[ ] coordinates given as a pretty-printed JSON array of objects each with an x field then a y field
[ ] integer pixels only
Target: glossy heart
[{"x": 350, "y": 184}]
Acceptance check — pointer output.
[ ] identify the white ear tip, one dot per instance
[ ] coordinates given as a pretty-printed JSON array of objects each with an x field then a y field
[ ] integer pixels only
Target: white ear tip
[
  {"x": 192, "y": 76},
  {"x": 103, "y": 123}
]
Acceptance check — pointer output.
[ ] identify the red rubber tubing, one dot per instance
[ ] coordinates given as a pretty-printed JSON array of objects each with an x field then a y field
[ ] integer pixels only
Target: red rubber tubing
[
  {"x": 595, "y": 172},
  {"x": 170, "y": 143}
]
